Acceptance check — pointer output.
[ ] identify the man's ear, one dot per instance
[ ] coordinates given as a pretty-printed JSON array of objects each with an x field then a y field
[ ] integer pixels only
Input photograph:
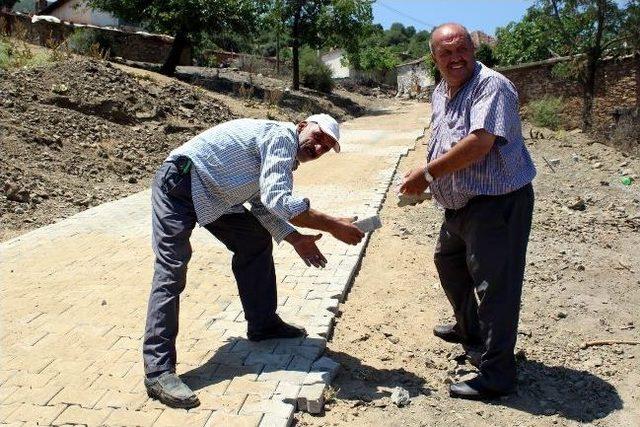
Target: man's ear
[{"x": 301, "y": 126}]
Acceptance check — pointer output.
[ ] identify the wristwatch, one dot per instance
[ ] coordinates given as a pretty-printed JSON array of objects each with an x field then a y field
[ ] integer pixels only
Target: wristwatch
[{"x": 427, "y": 175}]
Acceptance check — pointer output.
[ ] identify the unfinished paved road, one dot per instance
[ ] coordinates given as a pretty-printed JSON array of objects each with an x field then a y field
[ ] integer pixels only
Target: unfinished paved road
[{"x": 73, "y": 301}]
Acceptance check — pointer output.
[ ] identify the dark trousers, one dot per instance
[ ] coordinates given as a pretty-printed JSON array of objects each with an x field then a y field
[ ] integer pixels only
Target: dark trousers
[
  {"x": 480, "y": 258},
  {"x": 173, "y": 219}
]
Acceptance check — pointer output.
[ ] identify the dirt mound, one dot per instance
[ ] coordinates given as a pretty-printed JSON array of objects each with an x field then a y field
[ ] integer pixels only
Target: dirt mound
[{"x": 81, "y": 132}]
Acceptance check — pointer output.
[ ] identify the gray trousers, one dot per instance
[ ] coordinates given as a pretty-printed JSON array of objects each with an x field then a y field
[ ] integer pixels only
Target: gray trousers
[
  {"x": 480, "y": 258},
  {"x": 173, "y": 219}
]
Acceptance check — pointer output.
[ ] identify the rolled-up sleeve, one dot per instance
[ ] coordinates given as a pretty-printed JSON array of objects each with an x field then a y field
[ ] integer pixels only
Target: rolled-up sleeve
[
  {"x": 278, "y": 156},
  {"x": 495, "y": 108},
  {"x": 276, "y": 226}
]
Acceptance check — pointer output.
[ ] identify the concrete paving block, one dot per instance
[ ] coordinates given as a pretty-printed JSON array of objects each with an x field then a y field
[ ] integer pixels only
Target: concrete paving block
[
  {"x": 327, "y": 366},
  {"x": 287, "y": 392},
  {"x": 256, "y": 357},
  {"x": 311, "y": 398},
  {"x": 308, "y": 352},
  {"x": 233, "y": 420},
  {"x": 270, "y": 420},
  {"x": 317, "y": 377},
  {"x": 268, "y": 406},
  {"x": 231, "y": 358},
  {"x": 263, "y": 389},
  {"x": 300, "y": 364},
  {"x": 282, "y": 375}
]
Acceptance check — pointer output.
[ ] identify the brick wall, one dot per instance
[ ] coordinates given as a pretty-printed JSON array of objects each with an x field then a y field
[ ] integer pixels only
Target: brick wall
[
  {"x": 152, "y": 48},
  {"x": 616, "y": 87}
]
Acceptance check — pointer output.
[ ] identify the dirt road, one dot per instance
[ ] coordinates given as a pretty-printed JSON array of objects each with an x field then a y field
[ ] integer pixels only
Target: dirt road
[{"x": 581, "y": 284}]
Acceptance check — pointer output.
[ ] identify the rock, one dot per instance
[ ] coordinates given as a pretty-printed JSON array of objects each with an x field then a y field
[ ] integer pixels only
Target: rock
[
  {"x": 16, "y": 194},
  {"x": 400, "y": 397},
  {"x": 596, "y": 165},
  {"x": 578, "y": 205}
]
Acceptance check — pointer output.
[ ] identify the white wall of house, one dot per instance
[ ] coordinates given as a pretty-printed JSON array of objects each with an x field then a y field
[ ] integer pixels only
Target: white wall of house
[
  {"x": 77, "y": 12},
  {"x": 333, "y": 61}
]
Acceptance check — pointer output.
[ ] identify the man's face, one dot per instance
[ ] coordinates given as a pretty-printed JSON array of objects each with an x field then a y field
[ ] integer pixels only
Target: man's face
[
  {"x": 313, "y": 142},
  {"x": 453, "y": 54}
]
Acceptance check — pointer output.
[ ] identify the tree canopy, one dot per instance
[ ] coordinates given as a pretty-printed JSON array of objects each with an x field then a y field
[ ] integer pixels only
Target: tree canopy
[{"x": 186, "y": 19}]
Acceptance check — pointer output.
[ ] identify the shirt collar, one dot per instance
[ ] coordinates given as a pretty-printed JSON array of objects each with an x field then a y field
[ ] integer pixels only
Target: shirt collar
[{"x": 476, "y": 70}]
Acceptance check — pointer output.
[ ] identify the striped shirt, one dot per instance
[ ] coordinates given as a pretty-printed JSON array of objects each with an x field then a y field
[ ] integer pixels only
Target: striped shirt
[
  {"x": 245, "y": 160},
  {"x": 487, "y": 101}
]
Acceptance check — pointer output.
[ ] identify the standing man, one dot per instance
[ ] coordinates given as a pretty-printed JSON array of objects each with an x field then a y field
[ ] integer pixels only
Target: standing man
[
  {"x": 207, "y": 180},
  {"x": 480, "y": 172}
]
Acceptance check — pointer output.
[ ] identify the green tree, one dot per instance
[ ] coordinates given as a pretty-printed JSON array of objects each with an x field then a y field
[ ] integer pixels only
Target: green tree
[
  {"x": 321, "y": 23},
  {"x": 586, "y": 30},
  {"x": 484, "y": 54},
  {"x": 589, "y": 29},
  {"x": 186, "y": 20}
]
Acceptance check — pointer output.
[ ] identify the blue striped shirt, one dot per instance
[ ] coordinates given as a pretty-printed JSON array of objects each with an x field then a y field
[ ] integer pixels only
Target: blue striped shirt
[
  {"x": 487, "y": 101},
  {"x": 245, "y": 160}
]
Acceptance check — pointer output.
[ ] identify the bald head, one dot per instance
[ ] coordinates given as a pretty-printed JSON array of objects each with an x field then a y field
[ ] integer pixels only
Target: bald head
[
  {"x": 447, "y": 33},
  {"x": 453, "y": 53}
]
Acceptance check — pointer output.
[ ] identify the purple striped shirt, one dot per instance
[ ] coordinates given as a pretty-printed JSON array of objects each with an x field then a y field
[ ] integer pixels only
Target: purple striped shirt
[{"x": 487, "y": 101}]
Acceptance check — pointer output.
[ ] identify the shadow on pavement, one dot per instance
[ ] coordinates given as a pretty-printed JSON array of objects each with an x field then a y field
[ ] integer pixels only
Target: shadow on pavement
[{"x": 359, "y": 382}]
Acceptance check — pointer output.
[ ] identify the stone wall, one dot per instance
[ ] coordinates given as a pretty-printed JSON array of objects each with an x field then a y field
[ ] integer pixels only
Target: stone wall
[
  {"x": 245, "y": 62},
  {"x": 414, "y": 80},
  {"x": 142, "y": 47},
  {"x": 616, "y": 88}
]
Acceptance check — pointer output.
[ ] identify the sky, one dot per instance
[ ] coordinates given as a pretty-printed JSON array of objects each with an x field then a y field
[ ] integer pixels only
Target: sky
[{"x": 484, "y": 15}]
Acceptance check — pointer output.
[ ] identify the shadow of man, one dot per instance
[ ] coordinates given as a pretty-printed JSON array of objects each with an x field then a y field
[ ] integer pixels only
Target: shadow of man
[
  {"x": 542, "y": 390},
  {"x": 569, "y": 393}
]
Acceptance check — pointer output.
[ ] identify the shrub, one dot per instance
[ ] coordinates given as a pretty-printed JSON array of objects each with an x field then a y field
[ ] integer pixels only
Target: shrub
[
  {"x": 546, "y": 112},
  {"x": 314, "y": 73},
  {"x": 16, "y": 54},
  {"x": 88, "y": 42}
]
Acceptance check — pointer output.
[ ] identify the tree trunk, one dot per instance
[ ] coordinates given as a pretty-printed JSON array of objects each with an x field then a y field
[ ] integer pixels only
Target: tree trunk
[
  {"x": 296, "y": 46},
  {"x": 179, "y": 43},
  {"x": 589, "y": 89},
  {"x": 594, "y": 53},
  {"x": 278, "y": 51},
  {"x": 636, "y": 56}
]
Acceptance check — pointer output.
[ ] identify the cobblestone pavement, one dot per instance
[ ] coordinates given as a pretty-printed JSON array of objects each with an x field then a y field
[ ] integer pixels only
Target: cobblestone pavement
[{"x": 74, "y": 294}]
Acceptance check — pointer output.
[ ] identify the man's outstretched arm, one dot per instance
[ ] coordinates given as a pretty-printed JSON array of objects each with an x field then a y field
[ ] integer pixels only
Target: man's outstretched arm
[{"x": 340, "y": 228}]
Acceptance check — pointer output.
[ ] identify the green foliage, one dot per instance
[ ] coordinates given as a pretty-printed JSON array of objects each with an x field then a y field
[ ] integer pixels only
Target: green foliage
[
  {"x": 88, "y": 42},
  {"x": 395, "y": 45},
  {"x": 17, "y": 54},
  {"x": 376, "y": 58},
  {"x": 313, "y": 72},
  {"x": 546, "y": 112},
  {"x": 484, "y": 54},
  {"x": 543, "y": 33}
]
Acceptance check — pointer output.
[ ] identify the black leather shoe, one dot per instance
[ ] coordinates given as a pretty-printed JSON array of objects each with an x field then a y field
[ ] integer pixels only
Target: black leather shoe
[
  {"x": 449, "y": 333},
  {"x": 279, "y": 330},
  {"x": 474, "y": 390},
  {"x": 169, "y": 389}
]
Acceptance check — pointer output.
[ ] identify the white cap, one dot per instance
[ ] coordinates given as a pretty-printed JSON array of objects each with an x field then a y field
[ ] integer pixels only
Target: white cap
[{"x": 329, "y": 125}]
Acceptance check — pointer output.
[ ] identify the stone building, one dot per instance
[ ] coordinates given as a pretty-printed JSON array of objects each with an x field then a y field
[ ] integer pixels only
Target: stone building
[{"x": 414, "y": 79}]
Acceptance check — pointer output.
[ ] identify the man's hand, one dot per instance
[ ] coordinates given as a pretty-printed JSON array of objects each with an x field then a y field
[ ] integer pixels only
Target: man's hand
[
  {"x": 340, "y": 228},
  {"x": 414, "y": 181},
  {"x": 344, "y": 230},
  {"x": 305, "y": 246}
]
